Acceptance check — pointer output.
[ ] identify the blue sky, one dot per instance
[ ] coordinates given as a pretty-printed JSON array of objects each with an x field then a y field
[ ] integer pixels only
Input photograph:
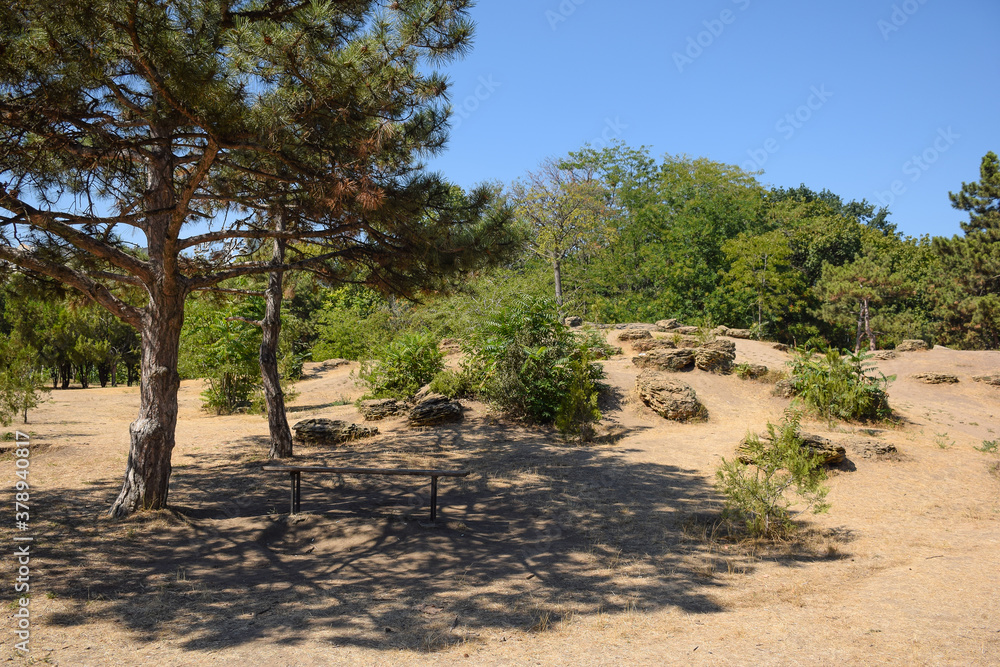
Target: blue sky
[{"x": 893, "y": 102}]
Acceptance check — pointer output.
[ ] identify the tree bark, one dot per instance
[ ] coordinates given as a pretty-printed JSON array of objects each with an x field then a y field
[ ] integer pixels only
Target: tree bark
[
  {"x": 147, "y": 473},
  {"x": 557, "y": 273},
  {"x": 274, "y": 398}
]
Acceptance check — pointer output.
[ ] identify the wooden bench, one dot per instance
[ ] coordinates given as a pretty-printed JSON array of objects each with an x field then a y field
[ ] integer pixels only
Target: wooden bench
[{"x": 295, "y": 473}]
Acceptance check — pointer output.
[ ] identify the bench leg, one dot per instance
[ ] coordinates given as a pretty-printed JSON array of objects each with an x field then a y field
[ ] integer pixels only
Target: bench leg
[
  {"x": 296, "y": 491},
  {"x": 434, "y": 498}
]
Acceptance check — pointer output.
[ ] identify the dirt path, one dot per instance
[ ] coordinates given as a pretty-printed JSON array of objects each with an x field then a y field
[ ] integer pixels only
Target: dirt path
[{"x": 550, "y": 554}]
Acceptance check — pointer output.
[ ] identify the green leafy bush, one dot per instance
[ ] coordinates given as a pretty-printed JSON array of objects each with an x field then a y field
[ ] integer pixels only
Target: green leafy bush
[
  {"x": 841, "y": 386},
  {"x": 578, "y": 410},
  {"x": 403, "y": 366},
  {"x": 757, "y": 492},
  {"x": 452, "y": 384},
  {"x": 523, "y": 361}
]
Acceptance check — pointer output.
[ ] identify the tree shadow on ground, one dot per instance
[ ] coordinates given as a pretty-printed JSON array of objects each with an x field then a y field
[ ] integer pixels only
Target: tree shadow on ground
[{"x": 538, "y": 531}]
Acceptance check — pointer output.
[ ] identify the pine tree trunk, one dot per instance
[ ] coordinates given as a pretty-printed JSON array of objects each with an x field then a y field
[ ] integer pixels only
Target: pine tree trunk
[
  {"x": 147, "y": 473},
  {"x": 274, "y": 398},
  {"x": 868, "y": 327}
]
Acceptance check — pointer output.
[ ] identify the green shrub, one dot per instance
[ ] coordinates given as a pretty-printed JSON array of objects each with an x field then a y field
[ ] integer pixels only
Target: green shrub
[
  {"x": 841, "y": 386},
  {"x": 757, "y": 492},
  {"x": 403, "y": 366},
  {"x": 578, "y": 411},
  {"x": 452, "y": 384},
  {"x": 523, "y": 361}
]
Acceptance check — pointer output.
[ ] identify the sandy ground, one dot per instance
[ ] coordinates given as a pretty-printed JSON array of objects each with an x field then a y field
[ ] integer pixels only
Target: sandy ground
[{"x": 548, "y": 553}]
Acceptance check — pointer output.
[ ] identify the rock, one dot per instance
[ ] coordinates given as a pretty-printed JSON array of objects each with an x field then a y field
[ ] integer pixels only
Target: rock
[
  {"x": 751, "y": 371},
  {"x": 783, "y": 389},
  {"x": 380, "y": 408},
  {"x": 422, "y": 393},
  {"x": 780, "y": 347},
  {"x": 669, "y": 398},
  {"x": 573, "y": 321},
  {"x": 637, "y": 326},
  {"x": 686, "y": 331},
  {"x": 720, "y": 331},
  {"x": 911, "y": 346},
  {"x": 330, "y": 431},
  {"x": 873, "y": 449},
  {"x": 653, "y": 344},
  {"x": 935, "y": 378},
  {"x": 666, "y": 325},
  {"x": 740, "y": 333},
  {"x": 717, "y": 356},
  {"x": 832, "y": 454},
  {"x": 988, "y": 379},
  {"x": 333, "y": 363},
  {"x": 883, "y": 355},
  {"x": 450, "y": 346},
  {"x": 634, "y": 334},
  {"x": 435, "y": 409},
  {"x": 666, "y": 359},
  {"x": 686, "y": 341}
]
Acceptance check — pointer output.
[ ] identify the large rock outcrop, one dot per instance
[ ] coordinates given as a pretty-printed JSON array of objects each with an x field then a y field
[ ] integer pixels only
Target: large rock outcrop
[
  {"x": 380, "y": 408},
  {"x": 435, "y": 409},
  {"x": 717, "y": 356},
  {"x": 330, "y": 431},
  {"x": 745, "y": 334},
  {"x": 669, "y": 398},
  {"x": 671, "y": 360},
  {"x": 912, "y": 346},
  {"x": 667, "y": 325}
]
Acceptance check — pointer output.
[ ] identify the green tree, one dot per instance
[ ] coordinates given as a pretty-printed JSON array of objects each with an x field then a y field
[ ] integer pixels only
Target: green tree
[
  {"x": 21, "y": 380},
  {"x": 761, "y": 267},
  {"x": 969, "y": 297},
  {"x": 565, "y": 211},
  {"x": 155, "y": 116},
  {"x": 856, "y": 288}
]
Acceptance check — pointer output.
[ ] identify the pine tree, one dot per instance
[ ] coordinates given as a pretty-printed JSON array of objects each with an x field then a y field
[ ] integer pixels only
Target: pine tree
[
  {"x": 139, "y": 140},
  {"x": 969, "y": 297}
]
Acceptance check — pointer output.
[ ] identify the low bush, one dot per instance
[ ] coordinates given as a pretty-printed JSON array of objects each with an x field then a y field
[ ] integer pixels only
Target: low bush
[
  {"x": 839, "y": 385},
  {"x": 757, "y": 493},
  {"x": 452, "y": 384},
  {"x": 522, "y": 360},
  {"x": 403, "y": 366}
]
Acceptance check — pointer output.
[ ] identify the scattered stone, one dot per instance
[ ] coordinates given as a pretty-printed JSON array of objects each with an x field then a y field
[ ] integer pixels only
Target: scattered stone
[
  {"x": 667, "y": 325},
  {"x": 379, "y": 408},
  {"x": 751, "y": 371},
  {"x": 686, "y": 331},
  {"x": 780, "y": 347},
  {"x": 330, "y": 431},
  {"x": 717, "y": 356},
  {"x": 634, "y": 334},
  {"x": 912, "y": 346},
  {"x": 720, "y": 331},
  {"x": 669, "y": 398},
  {"x": 573, "y": 321},
  {"x": 832, "y": 454},
  {"x": 673, "y": 360},
  {"x": 450, "y": 346},
  {"x": 333, "y": 363},
  {"x": 435, "y": 409},
  {"x": 988, "y": 379},
  {"x": 935, "y": 378},
  {"x": 740, "y": 333},
  {"x": 783, "y": 388},
  {"x": 883, "y": 355}
]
